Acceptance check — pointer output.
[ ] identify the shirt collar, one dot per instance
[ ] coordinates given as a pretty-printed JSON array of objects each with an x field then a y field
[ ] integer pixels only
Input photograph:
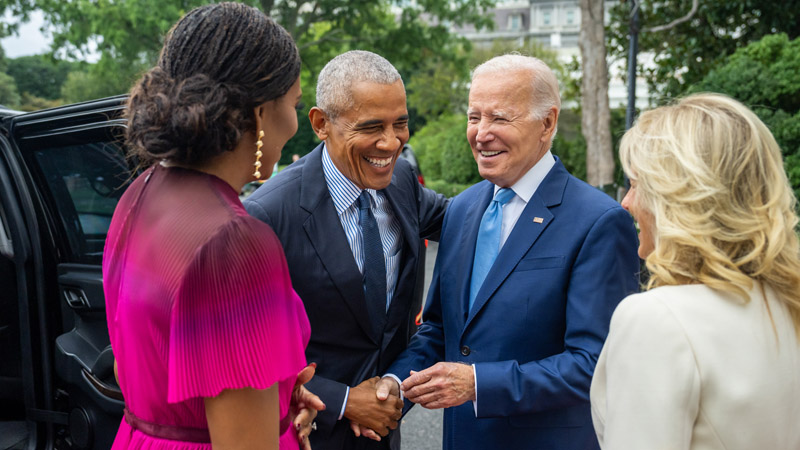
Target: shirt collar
[
  {"x": 527, "y": 185},
  {"x": 343, "y": 191}
]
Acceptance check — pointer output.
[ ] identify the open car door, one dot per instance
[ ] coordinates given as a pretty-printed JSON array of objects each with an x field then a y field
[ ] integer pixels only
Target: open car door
[{"x": 62, "y": 174}]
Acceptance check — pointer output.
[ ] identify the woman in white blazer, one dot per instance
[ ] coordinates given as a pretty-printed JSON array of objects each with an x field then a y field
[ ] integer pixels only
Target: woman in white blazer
[{"x": 709, "y": 356}]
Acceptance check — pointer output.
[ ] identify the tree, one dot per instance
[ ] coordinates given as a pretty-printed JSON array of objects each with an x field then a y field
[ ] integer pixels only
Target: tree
[
  {"x": 9, "y": 96},
  {"x": 685, "y": 54},
  {"x": 764, "y": 76},
  {"x": 130, "y": 33},
  {"x": 39, "y": 75},
  {"x": 596, "y": 117}
]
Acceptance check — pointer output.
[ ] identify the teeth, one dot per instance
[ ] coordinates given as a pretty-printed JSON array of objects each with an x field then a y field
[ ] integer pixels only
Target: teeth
[
  {"x": 485, "y": 153},
  {"x": 379, "y": 162}
]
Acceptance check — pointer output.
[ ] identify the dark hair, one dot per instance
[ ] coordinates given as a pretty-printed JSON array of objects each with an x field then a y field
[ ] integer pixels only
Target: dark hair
[{"x": 218, "y": 63}]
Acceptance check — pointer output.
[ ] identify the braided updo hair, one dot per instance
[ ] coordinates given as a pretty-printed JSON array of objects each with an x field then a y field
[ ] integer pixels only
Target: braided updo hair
[{"x": 219, "y": 62}]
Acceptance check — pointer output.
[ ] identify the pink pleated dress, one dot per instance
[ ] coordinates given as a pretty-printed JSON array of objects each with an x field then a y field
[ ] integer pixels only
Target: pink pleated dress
[{"x": 198, "y": 299}]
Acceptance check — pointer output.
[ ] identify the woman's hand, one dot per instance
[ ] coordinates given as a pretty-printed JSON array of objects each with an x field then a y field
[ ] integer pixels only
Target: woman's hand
[{"x": 304, "y": 406}]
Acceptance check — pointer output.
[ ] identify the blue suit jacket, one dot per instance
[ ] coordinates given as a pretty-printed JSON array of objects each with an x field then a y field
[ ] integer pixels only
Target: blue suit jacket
[
  {"x": 346, "y": 344},
  {"x": 539, "y": 320}
]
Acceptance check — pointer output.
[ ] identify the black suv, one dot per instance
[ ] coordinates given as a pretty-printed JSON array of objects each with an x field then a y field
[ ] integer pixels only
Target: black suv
[{"x": 62, "y": 172}]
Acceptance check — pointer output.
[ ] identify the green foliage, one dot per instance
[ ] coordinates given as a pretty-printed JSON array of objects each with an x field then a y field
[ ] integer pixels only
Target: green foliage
[
  {"x": 86, "y": 85},
  {"x": 445, "y": 188},
  {"x": 570, "y": 145},
  {"x": 9, "y": 96},
  {"x": 443, "y": 151},
  {"x": 39, "y": 75},
  {"x": 129, "y": 34},
  {"x": 29, "y": 102},
  {"x": 764, "y": 76},
  {"x": 684, "y": 55}
]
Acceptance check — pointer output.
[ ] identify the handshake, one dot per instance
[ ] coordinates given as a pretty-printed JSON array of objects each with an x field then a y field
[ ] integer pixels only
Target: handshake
[{"x": 374, "y": 407}]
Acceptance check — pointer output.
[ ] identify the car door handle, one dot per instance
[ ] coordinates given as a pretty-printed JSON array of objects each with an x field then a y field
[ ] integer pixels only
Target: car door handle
[
  {"x": 76, "y": 298},
  {"x": 104, "y": 388}
]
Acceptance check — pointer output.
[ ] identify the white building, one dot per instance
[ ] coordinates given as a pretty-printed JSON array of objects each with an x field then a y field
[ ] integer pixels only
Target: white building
[{"x": 556, "y": 25}]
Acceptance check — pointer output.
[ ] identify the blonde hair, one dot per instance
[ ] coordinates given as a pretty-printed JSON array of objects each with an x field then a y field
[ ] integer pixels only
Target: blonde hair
[{"x": 711, "y": 174}]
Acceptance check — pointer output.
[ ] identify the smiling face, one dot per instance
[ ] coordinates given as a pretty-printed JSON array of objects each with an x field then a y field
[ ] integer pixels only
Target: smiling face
[
  {"x": 506, "y": 140},
  {"x": 643, "y": 218},
  {"x": 364, "y": 141}
]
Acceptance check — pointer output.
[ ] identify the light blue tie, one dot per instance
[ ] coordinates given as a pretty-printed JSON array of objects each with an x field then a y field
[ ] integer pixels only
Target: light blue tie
[{"x": 488, "y": 244}]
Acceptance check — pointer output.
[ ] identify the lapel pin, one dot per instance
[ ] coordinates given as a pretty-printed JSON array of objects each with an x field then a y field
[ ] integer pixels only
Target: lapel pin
[{"x": 538, "y": 220}]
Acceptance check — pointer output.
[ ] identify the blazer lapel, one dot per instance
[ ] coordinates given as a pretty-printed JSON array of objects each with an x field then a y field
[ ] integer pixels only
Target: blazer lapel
[
  {"x": 406, "y": 214},
  {"x": 324, "y": 231},
  {"x": 469, "y": 237},
  {"x": 534, "y": 219}
]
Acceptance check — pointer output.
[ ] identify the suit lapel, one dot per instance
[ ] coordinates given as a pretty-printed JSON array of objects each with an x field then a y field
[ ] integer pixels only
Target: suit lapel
[
  {"x": 406, "y": 214},
  {"x": 324, "y": 231},
  {"x": 469, "y": 237},
  {"x": 523, "y": 236}
]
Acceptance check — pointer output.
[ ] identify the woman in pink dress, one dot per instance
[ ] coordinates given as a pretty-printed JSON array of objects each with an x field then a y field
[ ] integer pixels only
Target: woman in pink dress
[{"x": 208, "y": 334}]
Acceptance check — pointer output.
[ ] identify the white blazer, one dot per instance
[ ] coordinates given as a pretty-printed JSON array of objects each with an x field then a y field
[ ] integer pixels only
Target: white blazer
[{"x": 688, "y": 367}]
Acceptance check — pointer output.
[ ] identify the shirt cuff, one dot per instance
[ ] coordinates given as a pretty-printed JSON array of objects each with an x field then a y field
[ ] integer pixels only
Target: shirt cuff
[
  {"x": 396, "y": 378},
  {"x": 344, "y": 403},
  {"x": 475, "y": 402}
]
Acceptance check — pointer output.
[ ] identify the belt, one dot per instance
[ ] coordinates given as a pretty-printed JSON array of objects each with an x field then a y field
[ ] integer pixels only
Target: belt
[{"x": 170, "y": 432}]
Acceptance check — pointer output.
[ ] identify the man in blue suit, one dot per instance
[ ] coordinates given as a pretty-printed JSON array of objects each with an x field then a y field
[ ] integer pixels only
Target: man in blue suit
[
  {"x": 352, "y": 217},
  {"x": 531, "y": 264}
]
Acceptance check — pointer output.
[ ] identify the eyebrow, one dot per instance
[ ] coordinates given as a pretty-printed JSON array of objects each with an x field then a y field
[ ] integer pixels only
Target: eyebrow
[
  {"x": 369, "y": 123},
  {"x": 501, "y": 114}
]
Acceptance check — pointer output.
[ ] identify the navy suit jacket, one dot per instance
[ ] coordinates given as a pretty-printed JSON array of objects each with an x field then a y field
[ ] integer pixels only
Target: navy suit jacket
[
  {"x": 539, "y": 321},
  {"x": 347, "y": 346}
]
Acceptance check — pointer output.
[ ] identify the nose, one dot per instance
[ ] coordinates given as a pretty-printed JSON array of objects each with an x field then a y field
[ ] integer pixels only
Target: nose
[
  {"x": 484, "y": 134},
  {"x": 627, "y": 200},
  {"x": 389, "y": 140}
]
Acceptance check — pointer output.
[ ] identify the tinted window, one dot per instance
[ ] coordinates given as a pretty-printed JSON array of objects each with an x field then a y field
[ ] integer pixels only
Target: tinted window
[{"x": 84, "y": 182}]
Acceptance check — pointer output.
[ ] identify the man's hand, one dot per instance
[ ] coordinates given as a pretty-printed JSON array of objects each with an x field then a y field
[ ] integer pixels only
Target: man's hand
[
  {"x": 386, "y": 387},
  {"x": 443, "y": 385},
  {"x": 364, "y": 409}
]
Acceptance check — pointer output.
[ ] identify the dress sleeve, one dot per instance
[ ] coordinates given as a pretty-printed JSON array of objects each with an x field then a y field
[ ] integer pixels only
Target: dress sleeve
[
  {"x": 650, "y": 379},
  {"x": 236, "y": 321}
]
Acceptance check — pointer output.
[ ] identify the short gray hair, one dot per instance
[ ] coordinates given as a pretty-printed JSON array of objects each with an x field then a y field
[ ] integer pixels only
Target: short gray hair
[
  {"x": 545, "y": 84},
  {"x": 336, "y": 79}
]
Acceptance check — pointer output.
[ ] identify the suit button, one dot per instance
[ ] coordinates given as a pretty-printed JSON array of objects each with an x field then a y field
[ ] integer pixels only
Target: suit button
[{"x": 465, "y": 350}]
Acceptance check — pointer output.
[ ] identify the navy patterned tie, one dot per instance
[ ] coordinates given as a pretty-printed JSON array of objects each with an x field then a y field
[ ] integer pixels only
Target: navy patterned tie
[{"x": 374, "y": 264}]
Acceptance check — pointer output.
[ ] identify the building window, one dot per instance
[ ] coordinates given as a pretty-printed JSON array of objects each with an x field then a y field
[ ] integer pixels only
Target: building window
[
  {"x": 571, "y": 17},
  {"x": 515, "y": 22},
  {"x": 546, "y": 18}
]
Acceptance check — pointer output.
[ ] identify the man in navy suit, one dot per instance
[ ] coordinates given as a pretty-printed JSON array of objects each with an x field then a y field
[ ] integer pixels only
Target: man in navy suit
[
  {"x": 531, "y": 264},
  {"x": 352, "y": 217}
]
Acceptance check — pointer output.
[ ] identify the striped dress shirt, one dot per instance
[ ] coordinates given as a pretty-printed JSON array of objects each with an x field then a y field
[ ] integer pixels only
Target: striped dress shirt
[{"x": 344, "y": 194}]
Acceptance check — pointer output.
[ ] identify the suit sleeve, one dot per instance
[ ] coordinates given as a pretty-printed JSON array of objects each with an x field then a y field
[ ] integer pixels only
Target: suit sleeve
[
  {"x": 331, "y": 392},
  {"x": 427, "y": 345},
  {"x": 431, "y": 206},
  {"x": 648, "y": 372},
  {"x": 603, "y": 273}
]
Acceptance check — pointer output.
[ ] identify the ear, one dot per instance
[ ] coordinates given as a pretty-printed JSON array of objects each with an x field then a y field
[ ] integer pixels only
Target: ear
[
  {"x": 259, "y": 113},
  {"x": 319, "y": 122},
  {"x": 549, "y": 122}
]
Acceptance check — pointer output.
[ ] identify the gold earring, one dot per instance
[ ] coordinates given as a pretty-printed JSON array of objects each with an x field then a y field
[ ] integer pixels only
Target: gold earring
[{"x": 259, "y": 144}]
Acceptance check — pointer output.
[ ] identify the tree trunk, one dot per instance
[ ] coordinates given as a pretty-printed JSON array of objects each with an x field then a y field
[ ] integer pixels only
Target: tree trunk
[{"x": 596, "y": 117}]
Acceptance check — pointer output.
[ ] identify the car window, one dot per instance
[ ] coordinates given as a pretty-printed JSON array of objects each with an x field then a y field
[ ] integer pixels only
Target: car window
[{"x": 84, "y": 182}]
